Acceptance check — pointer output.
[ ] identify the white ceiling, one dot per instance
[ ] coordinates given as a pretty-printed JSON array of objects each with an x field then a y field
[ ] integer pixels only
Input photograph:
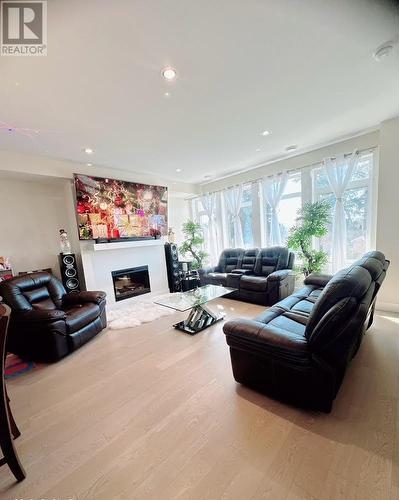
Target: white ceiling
[{"x": 299, "y": 68}]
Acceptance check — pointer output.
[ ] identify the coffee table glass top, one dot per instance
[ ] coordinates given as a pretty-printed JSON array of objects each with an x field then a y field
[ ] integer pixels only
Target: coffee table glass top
[{"x": 183, "y": 301}]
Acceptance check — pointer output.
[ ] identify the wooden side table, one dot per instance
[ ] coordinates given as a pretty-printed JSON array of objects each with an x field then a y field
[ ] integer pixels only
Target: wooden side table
[{"x": 8, "y": 427}]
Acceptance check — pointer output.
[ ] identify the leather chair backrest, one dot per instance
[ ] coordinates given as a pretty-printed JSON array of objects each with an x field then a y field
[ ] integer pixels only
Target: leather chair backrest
[
  {"x": 270, "y": 260},
  {"x": 230, "y": 259},
  {"x": 377, "y": 266},
  {"x": 249, "y": 259},
  {"x": 33, "y": 291},
  {"x": 338, "y": 304}
]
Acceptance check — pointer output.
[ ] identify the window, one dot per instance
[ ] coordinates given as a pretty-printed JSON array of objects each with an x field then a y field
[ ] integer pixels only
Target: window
[
  {"x": 246, "y": 216},
  {"x": 289, "y": 205},
  {"x": 357, "y": 205},
  {"x": 306, "y": 184}
]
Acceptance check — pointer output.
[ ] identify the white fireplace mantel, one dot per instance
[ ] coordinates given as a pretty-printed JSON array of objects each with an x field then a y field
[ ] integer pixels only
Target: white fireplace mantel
[
  {"x": 99, "y": 260},
  {"x": 127, "y": 244}
]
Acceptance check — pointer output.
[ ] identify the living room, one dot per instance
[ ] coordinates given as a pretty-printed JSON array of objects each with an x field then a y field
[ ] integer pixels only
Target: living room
[{"x": 198, "y": 260}]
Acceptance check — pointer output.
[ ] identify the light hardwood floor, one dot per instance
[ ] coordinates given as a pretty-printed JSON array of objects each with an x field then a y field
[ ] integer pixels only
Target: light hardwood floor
[{"x": 153, "y": 413}]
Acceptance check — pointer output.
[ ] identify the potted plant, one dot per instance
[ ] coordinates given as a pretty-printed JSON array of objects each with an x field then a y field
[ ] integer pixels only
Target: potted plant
[
  {"x": 312, "y": 222},
  {"x": 192, "y": 246}
]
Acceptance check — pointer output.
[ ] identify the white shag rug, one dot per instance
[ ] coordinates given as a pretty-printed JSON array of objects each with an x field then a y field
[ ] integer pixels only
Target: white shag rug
[{"x": 142, "y": 311}]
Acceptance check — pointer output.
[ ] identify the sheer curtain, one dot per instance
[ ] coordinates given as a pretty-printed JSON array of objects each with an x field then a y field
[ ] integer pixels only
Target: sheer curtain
[
  {"x": 233, "y": 200},
  {"x": 210, "y": 205},
  {"x": 273, "y": 190},
  {"x": 339, "y": 172}
]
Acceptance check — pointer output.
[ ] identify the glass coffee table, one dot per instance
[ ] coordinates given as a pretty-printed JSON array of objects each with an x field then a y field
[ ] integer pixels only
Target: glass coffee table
[{"x": 200, "y": 316}]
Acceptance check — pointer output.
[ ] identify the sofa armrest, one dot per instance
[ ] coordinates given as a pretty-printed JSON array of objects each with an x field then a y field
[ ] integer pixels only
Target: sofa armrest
[
  {"x": 83, "y": 297},
  {"x": 256, "y": 332},
  {"x": 207, "y": 270},
  {"x": 280, "y": 275},
  {"x": 317, "y": 279},
  {"x": 39, "y": 315}
]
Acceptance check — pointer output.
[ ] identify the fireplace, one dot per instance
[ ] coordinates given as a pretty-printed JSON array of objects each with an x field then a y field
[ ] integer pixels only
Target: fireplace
[{"x": 131, "y": 282}]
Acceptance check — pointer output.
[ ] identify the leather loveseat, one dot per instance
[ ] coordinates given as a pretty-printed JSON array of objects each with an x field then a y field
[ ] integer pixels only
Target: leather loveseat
[
  {"x": 299, "y": 349},
  {"x": 262, "y": 276},
  {"x": 46, "y": 322}
]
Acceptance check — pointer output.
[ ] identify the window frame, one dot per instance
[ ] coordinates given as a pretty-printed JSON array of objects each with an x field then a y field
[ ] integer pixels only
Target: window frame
[{"x": 366, "y": 183}]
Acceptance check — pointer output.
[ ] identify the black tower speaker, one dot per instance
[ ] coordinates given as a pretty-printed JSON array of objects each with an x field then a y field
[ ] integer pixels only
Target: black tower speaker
[
  {"x": 172, "y": 266},
  {"x": 69, "y": 272}
]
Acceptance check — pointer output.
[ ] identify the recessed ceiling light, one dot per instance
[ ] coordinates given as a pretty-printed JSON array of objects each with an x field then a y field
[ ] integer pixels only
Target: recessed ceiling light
[
  {"x": 17, "y": 84},
  {"x": 89, "y": 164},
  {"x": 266, "y": 133},
  {"x": 293, "y": 147},
  {"x": 258, "y": 149},
  {"x": 88, "y": 151},
  {"x": 167, "y": 94},
  {"x": 169, "y": 73},
  {"x": 178, "y": 170}
]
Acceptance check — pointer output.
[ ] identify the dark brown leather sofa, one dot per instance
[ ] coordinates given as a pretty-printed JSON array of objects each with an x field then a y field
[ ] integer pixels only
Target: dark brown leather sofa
[
  {"x": 46, "y": 322},
  {"x": 298, "y": 350},
  {"x": 261, "y": 276}
]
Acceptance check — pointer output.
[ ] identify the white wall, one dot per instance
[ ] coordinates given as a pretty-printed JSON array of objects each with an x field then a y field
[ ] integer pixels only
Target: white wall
[
  {"x": 388, "y": 212},
  {"x": 360, "y": 142},
  {"x": 32, "y": 213},
  {"x": 53, "y": 167},
  {"x": 178, "y": 214}
]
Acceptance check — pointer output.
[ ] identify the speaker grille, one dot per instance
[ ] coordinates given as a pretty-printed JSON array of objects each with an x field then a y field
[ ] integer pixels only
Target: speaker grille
[
  {"x": 172, "y": 266},
  {"x": 69, "y": 272},
  {"x": 72, "y": 284},
  {"x": 68, "y": 260}
]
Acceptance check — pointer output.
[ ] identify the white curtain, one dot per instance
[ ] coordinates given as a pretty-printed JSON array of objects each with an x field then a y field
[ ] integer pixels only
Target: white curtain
[
  {"x": 233, "y": 200},
  {"x": 339, "y": 172},
  {"x": 219, "y": 243},
  {"x": 273, "y": 190},
  {"x": 209, "y": 202}
]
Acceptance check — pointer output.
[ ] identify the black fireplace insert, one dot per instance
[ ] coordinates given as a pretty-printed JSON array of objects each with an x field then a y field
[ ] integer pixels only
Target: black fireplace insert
[{"x": 131, "y": 282}]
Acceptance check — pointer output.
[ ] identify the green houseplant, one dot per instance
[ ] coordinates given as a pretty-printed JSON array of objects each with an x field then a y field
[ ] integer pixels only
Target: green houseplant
[
  {"x": 192, "y": 246},
  {"x": 311, "y": 222}
]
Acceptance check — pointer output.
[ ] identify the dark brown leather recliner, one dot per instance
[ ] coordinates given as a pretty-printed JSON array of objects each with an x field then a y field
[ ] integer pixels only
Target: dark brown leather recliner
[
  {"x": 46, "y": 322},
  {"x": 298, "y": 350}
]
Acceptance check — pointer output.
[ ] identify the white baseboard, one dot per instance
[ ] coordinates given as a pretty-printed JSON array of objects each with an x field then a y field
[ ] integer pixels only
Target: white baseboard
[{"x": 387, "y": 307}]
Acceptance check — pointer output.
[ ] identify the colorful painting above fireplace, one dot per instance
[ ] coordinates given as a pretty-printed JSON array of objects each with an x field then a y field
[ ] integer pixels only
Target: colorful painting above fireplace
[{"x": 112, "y": 209}]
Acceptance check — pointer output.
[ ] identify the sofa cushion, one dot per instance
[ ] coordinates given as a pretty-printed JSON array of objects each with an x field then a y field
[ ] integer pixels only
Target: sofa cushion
[
  {"x": 254, "y": 283},
  {"x": 230, "y": 259},
  {"x": 79, "y": 316},
  {"x": 270, "y": 260},
  {"x": 249, "y": 259}
]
